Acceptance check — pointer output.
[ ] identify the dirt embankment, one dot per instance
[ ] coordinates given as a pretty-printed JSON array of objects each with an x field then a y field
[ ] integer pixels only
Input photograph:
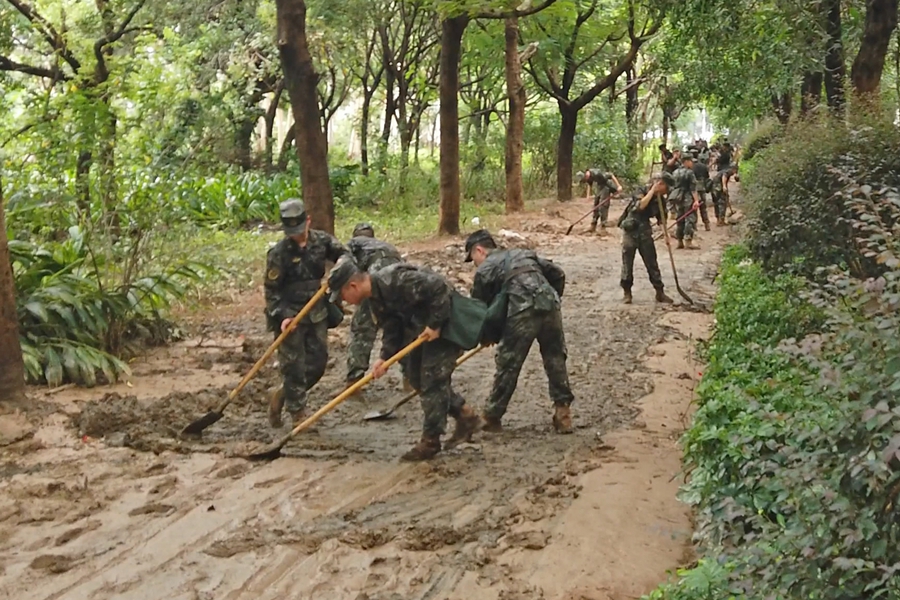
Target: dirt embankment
[{"x": 105, "y": 501}]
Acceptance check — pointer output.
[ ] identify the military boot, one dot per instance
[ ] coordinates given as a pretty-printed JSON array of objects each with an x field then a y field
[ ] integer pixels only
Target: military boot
[
  {"x": 562, "y": 420},
  {"x": 661, "y": 297},
  {"x": 491, "y": 424},
  {"x": 626, "y": 297},
  {"x": 276, "y": 404},
  {"x": 407, "y": 386},
  {"x": 593, "y": 228},
  {"x": 689, "y": 244},
  {"x": 720, "y": 222},
  {"x": 466, "y": 424},
  {"x": 706, "y": 225},
  {"x": 680, "y": 244},
  {"x": 298, "y": 417},
  {"x": 428, "y": 447}
]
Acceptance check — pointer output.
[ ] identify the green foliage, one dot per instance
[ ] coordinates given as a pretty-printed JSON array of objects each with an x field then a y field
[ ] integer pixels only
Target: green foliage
[
  {"x": 799, "y": 219},
  {"x": 762, "y": 137},
  {"x": 707, "y": 581},
  {"x": 794, "y": 452},
  {"x": 74, "y": 321}
]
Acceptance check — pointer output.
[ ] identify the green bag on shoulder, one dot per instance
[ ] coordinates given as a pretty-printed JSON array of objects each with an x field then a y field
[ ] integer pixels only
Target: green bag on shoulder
[{"x": 466, "y": 322}]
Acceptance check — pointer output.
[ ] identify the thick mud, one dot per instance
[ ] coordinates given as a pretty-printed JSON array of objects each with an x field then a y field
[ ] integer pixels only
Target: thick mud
[{"x": 107, "y": 500}]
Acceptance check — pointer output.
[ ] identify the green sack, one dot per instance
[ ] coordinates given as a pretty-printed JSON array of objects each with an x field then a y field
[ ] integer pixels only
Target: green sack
[
  {"x": 335, "y": 315},
  {"x": 467, "y": 317},
  {"x": 495, "y": 318}
]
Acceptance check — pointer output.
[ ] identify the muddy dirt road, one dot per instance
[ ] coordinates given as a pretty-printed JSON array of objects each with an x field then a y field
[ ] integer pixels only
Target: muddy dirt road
[{"x": 103, "y": 501}]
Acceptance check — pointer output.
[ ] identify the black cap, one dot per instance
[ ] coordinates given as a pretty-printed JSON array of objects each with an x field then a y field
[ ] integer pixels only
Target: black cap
[
  {"x": 482, "y": 236},
  {"x": 364, "y": 229},
  {"x": 340, "y": 274}
]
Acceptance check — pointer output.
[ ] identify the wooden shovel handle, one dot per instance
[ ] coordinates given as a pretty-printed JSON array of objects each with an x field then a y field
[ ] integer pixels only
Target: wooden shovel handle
[
  {"x": 355, "y": 387},
  {"x": 287, "y": 331}
]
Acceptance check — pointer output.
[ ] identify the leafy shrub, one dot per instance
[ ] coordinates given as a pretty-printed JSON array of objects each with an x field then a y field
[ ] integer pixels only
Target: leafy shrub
[
  {"x": 762, "y": 137},
  {"x": 74, "y": 320},
  {"x": 798, "y": 220}
]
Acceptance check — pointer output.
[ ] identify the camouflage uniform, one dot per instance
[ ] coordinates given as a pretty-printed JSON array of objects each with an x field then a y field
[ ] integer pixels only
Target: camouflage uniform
[
  {"x": 681, "y": 199},
  {"x": 533, "y": 314},
  {"x": 701, "y": 172},
  {"x": 603, "y": 186},
  {"x": 640, "y": 239},
  {"x": 370, "y": 255},
  {"x": 718, "y": 197},
  {"x": 405, "y": 299},
  {"x": 293, "y": 275}
]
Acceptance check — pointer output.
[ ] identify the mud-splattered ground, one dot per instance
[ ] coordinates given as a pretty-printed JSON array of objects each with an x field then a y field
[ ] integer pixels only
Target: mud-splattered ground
[{"x": 106, "y": 500}]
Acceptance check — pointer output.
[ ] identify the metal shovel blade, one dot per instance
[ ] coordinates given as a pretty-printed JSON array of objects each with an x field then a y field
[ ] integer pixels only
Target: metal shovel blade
[
  {"x": 379, "y": 415},
  {"x": 196, "y": 428}
]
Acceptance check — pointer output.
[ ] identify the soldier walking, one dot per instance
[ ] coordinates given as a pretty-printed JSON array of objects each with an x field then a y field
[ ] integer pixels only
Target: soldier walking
[
  {"x": 370, "y": 254},
  {"x": 534, "y": 287},
  {"x": 683, "y": 198},
  {"x": 605, "y": 184},
  {"x": 637, "y": 236},
  {"x": 407, "y": 301},
  {"x": 701, "y": 172},
  {"x": 294, "y": 269}
]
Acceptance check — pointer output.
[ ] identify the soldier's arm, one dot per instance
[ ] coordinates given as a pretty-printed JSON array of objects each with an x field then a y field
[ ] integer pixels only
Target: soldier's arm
[
  {"x": 334, "y": 249},
  {"x": 648, "y": 197},
  {"x": 275, "y": 308},
  {"x": 480, "y": 288},
  {"x": 618, "y": 185},
  {"x": 554, "y": 274},
  {"x": 392, "y": 335}
]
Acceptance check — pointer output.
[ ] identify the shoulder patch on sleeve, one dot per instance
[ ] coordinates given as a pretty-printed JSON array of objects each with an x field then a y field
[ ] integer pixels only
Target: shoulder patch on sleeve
[{"x": 273, "y": 274}]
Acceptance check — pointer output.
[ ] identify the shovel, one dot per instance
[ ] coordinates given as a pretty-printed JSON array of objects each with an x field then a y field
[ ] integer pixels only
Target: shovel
[
  {"x": 274, "y": 451},
  {"x": 672, "y": 257},
  {"x": 679, "y": 219},
  {"x": 197, "y": 427},
  {"x": 383, "y": 415},
  {"x": 584, "y": 216}
]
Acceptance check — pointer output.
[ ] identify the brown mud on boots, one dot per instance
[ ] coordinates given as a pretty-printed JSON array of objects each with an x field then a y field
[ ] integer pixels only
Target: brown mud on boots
[
  {"x": 562, "y": 420},
  {"x": 427, "y": 448},
  {"x": 680, "y": 244},
  {"x": 706, "y": 226},
  {"x": 661, "y": 297},
  {"x": 491, "y": 424},
  {"x": 407, "y": 386},
  {"x": 689, "y": 244},
  {"x": 276, "y": 404},
  {"x": 466, "y": 424},
  {"x": 626, "y": 297},
  {"x": 720, "y": 222}
]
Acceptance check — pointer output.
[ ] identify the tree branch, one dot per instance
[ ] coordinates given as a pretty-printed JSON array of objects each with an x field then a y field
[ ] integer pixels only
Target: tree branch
[
  {"x": 50, "y": 73},
  {"x": 516, "y": 12},
  {"x": 56, "y": 41}
]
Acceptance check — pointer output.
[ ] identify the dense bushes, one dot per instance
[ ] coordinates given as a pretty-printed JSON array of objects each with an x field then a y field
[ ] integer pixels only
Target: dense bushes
[
  {"x": 794, "y": 452},
  {"x": 799, "y": 222}
]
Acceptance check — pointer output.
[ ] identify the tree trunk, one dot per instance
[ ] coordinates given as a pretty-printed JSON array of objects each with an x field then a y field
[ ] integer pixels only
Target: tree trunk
[
  {"x": 364, "y": 133},
  {"x": 782, "y": 105},
  {"x": 390, "y": 108},
  {"x": 452, "y": 30},
  {"x": 288, "y": 143},
  {"x": 564, "y": 148},
  {"x": 12, "y": 369},
  {"x": 243, "y": 138},
  {"x": 810, "y": 92},
  {"x": 881, "y": 20},
  {"x": 300, "y": 81},
  {"x": 631, "y": 108},
  {"x": 835, "y": 70},
  {"x": 515, "y": 125},
  {"x": 665, "y": 128},
  {"x": 271, "y": 113}
]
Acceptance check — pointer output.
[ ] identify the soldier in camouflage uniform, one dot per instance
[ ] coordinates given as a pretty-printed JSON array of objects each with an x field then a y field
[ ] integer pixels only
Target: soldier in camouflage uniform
[
  {"x": 370, "y": 255},
  {"x": 637, "y": 236},
  {"x": 674, "y": 162},
  {"x": 701, "y": 172},
  {"x": 534, "y": 287},
  {"x": 605, "y": 184},
  {"x": 683, "y": 198},
  {"x": 294, "y": 269},
  {"x": 718, "y": 183},
  {"x": 407, "y": 301}
]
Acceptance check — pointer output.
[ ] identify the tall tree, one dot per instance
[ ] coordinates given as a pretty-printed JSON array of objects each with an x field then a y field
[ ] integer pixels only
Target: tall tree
[
  {"x": 456, "y": 15},
  {"x": 835, "y": 69},
  {"x": 881, "y": 21},
  {"x": 557, "y": 76},
  {"x": 12, "y": 368},
  {"x": 515, "y": 124},
  {"x": 301, "y": 83}
]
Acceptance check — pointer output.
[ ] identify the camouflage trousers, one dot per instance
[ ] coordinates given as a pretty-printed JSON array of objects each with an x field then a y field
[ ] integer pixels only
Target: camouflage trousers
[
  {"x": 601, "y": 209},
  {"x": 719, "y": 204},
  {"x": 519, "y": 334},
  {"x": 363, "y": 332},
  {"x": 704, "y": 213},
  {"x": 302, "y": 357},
  {"x": 688, "y": 225},
  {"x": 429, "y": 369},
  {"x": 641, "y": 241}
]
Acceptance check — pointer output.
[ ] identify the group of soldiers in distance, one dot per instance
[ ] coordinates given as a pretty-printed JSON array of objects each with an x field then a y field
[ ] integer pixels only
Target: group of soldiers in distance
[
  {"x": 406, "y": 301},
  {"x": 682, "y": 188}
]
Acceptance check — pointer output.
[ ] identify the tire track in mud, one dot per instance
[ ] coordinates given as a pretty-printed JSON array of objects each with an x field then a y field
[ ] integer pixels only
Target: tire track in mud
[{"x": 337, "y": 517}]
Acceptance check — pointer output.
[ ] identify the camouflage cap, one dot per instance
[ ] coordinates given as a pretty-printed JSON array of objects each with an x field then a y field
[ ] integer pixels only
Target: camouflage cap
[
  {"x": 482, "y": 236},
  {"x": 340, "y": 274},
  {"x": 364, "y": 229},
  {"x": 579, "y": 177},
  {"x": 666, "y": 178},
  {"x": 293, "y": 216}
]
